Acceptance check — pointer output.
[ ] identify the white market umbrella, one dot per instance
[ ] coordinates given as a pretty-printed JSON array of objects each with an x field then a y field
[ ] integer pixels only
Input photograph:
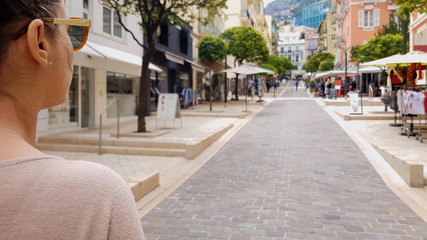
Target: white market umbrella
[
  {"x": 247, "y": 70},
  {"x": 333, "y": 73},
  {"x": 407, "y": 59},
  {"x": 381, "y": 62},
  {"x": 398, "y": 59}
]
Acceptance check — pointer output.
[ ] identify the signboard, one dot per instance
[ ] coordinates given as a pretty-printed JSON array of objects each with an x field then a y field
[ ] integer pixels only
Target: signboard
[{"x": 168, "y": 107}]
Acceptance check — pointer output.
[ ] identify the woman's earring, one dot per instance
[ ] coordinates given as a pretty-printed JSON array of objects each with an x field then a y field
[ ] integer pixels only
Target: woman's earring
[{"x": 47, "y": 65}]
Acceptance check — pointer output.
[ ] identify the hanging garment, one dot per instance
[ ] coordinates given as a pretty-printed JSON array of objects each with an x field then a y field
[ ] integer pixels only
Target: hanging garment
[
  {"x": 414, "y": 102},
  {"x": 393, "y": 101},
  {"x": 399, "y": 101},
  {"x": 425, "y": 101}
]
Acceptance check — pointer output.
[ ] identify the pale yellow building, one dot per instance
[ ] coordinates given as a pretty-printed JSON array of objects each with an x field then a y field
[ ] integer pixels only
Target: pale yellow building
[
  {"x": 248, "y": 13},
  {"x": 327, "y": 34}
]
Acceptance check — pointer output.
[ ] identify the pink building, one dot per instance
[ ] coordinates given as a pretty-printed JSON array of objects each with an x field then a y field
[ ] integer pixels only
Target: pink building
[
  {"x": 357, "y": 21},
  {"x": 418, "y": 32}
]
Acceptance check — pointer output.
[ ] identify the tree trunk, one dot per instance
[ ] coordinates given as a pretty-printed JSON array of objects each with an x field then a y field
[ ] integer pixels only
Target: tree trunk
[
  {"x": 144, "y": 90},
  {"x": 236, "y": 90},
  {"x": 405, "y": 24},
  {"x": 236, "y": 87}
]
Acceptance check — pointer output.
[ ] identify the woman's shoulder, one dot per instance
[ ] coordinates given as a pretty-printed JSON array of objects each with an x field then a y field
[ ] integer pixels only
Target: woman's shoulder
[
  {"x": 79, "y": 177},
  {"x": 90, "y": 175}
]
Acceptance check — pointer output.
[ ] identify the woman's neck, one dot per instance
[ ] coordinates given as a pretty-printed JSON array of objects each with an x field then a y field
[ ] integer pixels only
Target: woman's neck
[{"x": 14, "y": 116}]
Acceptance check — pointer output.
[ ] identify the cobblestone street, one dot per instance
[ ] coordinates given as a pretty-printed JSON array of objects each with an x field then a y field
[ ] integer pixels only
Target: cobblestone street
[{"x": 292, "y": 173}]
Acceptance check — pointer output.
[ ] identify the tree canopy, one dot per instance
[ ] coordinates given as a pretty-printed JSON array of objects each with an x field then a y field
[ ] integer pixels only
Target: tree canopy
[
  {"x": 152, "y": 14},
  {"x": 326, "y": 65},
  {"x": 246, "y": 44},
  {"x": 212, "y": 49},
  {"x": 379, "y": 47},
  {"x": 313, "y": 62},
  {"x": 281, "y": 64},
  {"x": 409, "y": 6}
]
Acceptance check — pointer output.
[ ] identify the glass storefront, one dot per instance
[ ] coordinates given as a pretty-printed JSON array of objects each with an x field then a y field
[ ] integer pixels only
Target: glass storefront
[
  {"x": 87, "y": 97},
  {"x": 162, "y": 84},
  {"x": 125, "y": 88},
  {"x": 66, "y": 114}
]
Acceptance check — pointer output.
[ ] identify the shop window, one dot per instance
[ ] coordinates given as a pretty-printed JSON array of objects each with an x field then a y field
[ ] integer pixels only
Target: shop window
[
  {"x": 163, "y": 34},
  {"x": 124, "y": 88},
  {"x": 110, "y": 22},
  {"x": 119, "y": 83},
  {"x": 66, "y": 114},
  {"x": 183, "y": 42}
]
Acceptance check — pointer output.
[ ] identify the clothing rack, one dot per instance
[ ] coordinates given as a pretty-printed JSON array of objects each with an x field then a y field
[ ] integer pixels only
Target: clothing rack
[{"x": 409, "y": 132}]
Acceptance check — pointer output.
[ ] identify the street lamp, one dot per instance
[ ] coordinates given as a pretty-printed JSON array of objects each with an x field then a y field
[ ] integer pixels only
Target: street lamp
[
  {"x": 227, "y": 41},
  {"x": 343, "y": 45}
]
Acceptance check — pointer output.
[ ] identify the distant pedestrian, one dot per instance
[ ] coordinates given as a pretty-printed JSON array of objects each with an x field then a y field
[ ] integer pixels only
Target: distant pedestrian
[
  {"x": 296, "y": 85},
  {"x": 322, "y": 87},
  {"x": 268, "y": 85}
]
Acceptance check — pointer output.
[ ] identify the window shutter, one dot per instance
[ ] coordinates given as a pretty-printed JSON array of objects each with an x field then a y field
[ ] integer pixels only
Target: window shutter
[
  {"x": 361, "y": 15},
  {"x": 376, "y": 17}
]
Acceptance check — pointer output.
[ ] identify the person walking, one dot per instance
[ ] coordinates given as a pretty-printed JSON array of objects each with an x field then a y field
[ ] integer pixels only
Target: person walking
[
  {"x": 42, "y": 196},
  {"x": 296, "y": 85},
  {"x": 322, "y": 87}
]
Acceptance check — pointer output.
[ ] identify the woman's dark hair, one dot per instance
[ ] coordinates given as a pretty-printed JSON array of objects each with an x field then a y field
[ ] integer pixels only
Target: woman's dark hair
[{"x": 14, "y": 14}]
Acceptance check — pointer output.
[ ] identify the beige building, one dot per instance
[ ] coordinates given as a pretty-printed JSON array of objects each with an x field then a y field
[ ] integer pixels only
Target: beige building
[
  {"x": 273, "y": 34},
  {"x": 108, "y": 67},
  {"x": 248, "y": 13},
  {"x": 327, "y": 34}
]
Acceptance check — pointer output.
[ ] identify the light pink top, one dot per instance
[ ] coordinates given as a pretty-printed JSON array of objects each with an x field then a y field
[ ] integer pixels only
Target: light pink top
[{"x": 51, "y": 198}]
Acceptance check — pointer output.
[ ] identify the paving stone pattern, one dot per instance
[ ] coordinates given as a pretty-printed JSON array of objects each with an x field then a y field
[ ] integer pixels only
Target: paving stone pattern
[{"x": 290, "y": 173}]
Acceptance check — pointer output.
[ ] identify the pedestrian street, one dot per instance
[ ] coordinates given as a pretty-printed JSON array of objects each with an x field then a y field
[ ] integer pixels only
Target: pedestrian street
[{"x": 289, "y": 173}]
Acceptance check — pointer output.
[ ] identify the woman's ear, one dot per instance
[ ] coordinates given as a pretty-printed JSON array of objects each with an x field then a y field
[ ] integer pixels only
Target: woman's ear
[{"x": 37, "y": 42}]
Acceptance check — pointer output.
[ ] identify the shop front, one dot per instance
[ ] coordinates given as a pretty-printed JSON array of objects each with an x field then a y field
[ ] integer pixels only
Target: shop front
[
  {"x": 78, "y": 108},
  {"x": 100, "y": 75}
]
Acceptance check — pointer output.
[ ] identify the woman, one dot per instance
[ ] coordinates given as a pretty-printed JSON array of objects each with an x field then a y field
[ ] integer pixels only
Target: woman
[{"x": 46, "y": 197}]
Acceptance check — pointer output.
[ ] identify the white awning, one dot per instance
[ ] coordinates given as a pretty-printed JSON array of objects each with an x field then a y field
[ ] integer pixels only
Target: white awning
[
  {"x": 95, "y": 49},
  {"x": 196, "y": 67},
  {"x": 174, "y": 58}
]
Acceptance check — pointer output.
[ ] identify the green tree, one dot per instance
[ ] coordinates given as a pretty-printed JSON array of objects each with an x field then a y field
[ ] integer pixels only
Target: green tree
[
  {"x": 281, "y": 64},
  {"x": 152, "y": 14},
  {"x": 212, "y": 49},
  {"x": 353, "y": 53},
  {"x": 313, "y": 62},
  {"x": 326, "y": 65},
  {"x": 380, "y": 47},
  {"x": 269, "y": 67},
  {"x": 409, "y": 6},
  {"x": 286, "y": 63},
  {"x": 245, "y": 44},
  {"x": 406, "y": 7},
  {"x": 393, "y": 26}
]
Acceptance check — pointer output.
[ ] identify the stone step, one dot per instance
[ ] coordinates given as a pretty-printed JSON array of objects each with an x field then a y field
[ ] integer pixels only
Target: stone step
[
  {"x": 124, "y": 150},
  {"x": 143, "y": 185},
  {"x": 122, "y": 142}
]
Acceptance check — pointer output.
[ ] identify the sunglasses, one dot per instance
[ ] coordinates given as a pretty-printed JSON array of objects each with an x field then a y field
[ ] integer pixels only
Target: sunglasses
[{"x": 78, "y": 30}]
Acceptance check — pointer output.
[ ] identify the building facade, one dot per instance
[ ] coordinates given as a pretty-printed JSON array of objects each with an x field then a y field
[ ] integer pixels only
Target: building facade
[
  {"x": 418, "y": 32},
  {"x": 357, "y": 21},
  {"x": 314, "y": 13},
  {"x": 292, "y": 45},
  {"x": 107, "y": 68},
  {"x": 273, "y": 31},
  {"x": 327, "y": 34},
  {"x": 311, "y": 43}
]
